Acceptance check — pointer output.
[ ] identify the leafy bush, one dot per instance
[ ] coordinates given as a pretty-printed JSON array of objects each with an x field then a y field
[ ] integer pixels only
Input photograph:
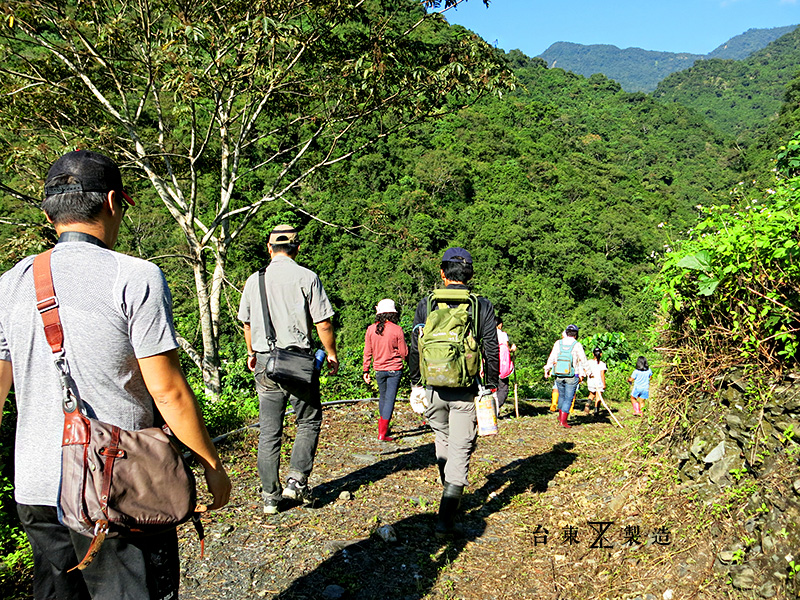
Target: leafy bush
[
  {"x": 238, "y": 403},
  {"x": 734, "y": 286},
  {"x": 347, "y": 384},
  {"x": 15, "y": 552},
  {"x": 615, "y": 347}
]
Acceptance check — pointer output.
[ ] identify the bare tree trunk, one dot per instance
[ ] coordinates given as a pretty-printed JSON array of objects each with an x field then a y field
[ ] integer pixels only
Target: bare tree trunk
[{"x": 210, "y": 366}]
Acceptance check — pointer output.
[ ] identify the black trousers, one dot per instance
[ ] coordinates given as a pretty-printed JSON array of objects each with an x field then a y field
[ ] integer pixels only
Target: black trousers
[
  {"x": 147, "y": 568},
  {"x": 502, "y": 392}
]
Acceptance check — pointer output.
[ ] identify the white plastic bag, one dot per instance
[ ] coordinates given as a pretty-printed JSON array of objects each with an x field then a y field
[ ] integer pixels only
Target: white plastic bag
[{"x": 418, "y": 399}]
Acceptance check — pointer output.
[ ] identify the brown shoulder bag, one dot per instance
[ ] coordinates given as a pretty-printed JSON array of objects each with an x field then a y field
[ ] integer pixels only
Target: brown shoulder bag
[{"x": 114, "y": 483}]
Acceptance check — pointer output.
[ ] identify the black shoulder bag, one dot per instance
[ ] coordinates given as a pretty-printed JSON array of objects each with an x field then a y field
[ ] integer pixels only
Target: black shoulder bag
[{"x": 284, "y": 365}]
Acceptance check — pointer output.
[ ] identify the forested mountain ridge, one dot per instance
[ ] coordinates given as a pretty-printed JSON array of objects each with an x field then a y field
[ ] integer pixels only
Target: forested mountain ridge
[
  {"x": 558, "y": 189},
  {"x": 641, "y": 70},
  {"x": 635, "y": 69},
  {"x": 743, "y": 45},
  {"x": 740, "y": 98}
]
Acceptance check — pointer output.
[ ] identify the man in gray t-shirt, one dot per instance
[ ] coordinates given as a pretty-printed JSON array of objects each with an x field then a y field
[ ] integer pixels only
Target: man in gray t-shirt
[
  {"x": 120, "y": 345},
  {"x": 296, "y": 302}
]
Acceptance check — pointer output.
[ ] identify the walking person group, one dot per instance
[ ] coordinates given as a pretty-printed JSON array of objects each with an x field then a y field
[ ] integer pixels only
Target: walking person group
[
  {"x": 117, "y": 316},
  {"x": 567, "y": 362}
]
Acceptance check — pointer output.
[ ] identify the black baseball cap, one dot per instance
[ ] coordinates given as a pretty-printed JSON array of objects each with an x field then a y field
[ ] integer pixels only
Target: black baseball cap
[
  {"x": 572, "y": 328},
  {"x": 89, "y": 172},
  {"x": 457, "y": 255}
]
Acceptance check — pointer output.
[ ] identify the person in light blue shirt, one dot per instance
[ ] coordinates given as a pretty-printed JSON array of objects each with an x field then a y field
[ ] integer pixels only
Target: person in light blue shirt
[{"x": 640, "y": 379}]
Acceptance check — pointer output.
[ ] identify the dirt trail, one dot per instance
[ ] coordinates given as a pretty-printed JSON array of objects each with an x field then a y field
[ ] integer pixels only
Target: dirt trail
[{"x": 539, "y": 499}]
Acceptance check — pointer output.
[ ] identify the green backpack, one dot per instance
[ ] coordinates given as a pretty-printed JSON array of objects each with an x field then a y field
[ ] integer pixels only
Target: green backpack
[{"x": 448, "y": 345}]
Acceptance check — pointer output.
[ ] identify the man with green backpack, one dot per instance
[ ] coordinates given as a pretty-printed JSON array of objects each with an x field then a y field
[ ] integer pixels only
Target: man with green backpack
[{"x": 454, "y": 335}]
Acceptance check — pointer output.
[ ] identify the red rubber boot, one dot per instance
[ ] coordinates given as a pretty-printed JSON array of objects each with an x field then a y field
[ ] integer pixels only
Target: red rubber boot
[{"x": 383, "y": 430}]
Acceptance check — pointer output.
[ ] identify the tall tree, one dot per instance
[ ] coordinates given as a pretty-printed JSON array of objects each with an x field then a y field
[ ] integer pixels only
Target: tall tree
[{"x": 228, "y": 106}]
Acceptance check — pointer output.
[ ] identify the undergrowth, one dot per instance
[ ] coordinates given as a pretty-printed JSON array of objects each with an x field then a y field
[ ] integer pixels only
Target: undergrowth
[{"x": 731, "y": 291}]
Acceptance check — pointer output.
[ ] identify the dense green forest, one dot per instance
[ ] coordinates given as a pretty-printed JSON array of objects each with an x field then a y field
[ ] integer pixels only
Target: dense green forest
[
  {"x": 558, "y": 189},
  {"x": 566, "y": 190},
  {"x": 740, "y": 98},
  {"x": 639, "y": 70}
]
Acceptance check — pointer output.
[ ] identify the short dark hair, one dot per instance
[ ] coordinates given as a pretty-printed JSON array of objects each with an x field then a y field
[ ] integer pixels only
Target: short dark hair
[
  {"x": 571, "y": 333},
  {"x": 74, "y": 207},
  {"x": 457, "y": 271},
  {"x": 290, "y": 249},
  {"x": 641, "y": 364}
]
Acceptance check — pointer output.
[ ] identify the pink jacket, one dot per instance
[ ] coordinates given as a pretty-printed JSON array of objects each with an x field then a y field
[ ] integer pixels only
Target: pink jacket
[{"x": 388, "y": 350}]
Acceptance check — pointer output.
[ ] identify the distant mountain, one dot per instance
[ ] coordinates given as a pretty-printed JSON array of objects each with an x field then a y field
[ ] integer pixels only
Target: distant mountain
[
  {"x": 638, "y": 70},
  {"x": 739, "y": 97},
  {"x": 752, "y": 40}
]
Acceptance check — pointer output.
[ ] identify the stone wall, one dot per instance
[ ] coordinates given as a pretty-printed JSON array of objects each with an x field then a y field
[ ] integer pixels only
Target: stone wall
[{"x": 744, "y": 451}]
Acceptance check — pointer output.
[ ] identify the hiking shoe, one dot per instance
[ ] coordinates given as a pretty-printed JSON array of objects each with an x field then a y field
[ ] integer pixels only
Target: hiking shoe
[
  {"x": 295, "y": 490},
  {"x": 270, "y": 507}
]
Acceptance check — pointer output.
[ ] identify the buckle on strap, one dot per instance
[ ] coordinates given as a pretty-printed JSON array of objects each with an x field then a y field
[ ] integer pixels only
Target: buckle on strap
[{"x": 46, "y": 304}]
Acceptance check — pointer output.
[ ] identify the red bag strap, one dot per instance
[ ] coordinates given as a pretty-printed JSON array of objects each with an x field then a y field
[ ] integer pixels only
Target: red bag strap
[
  {"x": 46, "y": 301},
  {"x": 47, "y": 305}
]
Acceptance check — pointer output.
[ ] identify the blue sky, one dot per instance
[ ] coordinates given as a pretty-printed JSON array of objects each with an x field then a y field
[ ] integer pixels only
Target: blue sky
[{"x": 696, "y": 26}]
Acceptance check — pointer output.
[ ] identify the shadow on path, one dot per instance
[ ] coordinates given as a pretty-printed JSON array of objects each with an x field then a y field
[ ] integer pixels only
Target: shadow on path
[
  {"x": 372, "y": 569},
  {"x": 403, "y": 459}
]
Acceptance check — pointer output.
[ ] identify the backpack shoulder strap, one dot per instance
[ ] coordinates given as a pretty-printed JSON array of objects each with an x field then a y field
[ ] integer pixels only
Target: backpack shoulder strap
[{"x": 476, "y": 318}]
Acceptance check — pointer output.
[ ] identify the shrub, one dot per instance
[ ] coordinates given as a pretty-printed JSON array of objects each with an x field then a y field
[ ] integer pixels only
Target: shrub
[
  {"x": 15, "y": 552},
  {"x": 733, "y": 288}
]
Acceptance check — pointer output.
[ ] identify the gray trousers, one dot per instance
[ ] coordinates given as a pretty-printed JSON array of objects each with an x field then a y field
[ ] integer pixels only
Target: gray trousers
[
  {"x": 273, "y": 398},
  {"x": 455, "y": 424}
]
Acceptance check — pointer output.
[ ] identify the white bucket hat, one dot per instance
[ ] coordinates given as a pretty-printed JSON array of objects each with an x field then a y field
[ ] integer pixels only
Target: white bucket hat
[{"x": 385, "y": 306}]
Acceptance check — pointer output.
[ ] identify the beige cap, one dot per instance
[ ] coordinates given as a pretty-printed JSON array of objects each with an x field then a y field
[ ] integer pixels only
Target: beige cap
[
  {"x": 385, "y": 306},
  {"x": 284, "y": 234}
]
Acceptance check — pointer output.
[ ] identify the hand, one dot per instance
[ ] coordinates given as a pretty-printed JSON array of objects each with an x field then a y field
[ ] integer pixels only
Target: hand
[
  {"x": 333, "y": 364},
  {"x": 219, "y": 484},
  {"x": 251, "y": 362},
  {"x": 546, "y": 374},
  {"x": 418, "y": 399},
  {"x": 366, "y": 378}
]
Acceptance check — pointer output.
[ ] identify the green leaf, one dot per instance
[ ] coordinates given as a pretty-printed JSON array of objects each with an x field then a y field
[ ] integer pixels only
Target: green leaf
[
  {"x": 706, "y": 285},
  {"x": 697, "y": 262}
]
